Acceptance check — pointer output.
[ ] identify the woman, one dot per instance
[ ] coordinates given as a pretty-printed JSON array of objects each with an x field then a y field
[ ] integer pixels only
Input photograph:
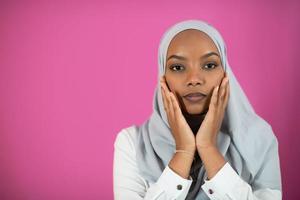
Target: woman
[{"x": 203, "y": 140}]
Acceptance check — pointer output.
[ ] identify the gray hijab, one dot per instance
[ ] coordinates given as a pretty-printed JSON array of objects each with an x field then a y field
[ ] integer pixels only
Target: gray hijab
[{"x": 245, "y": 139}]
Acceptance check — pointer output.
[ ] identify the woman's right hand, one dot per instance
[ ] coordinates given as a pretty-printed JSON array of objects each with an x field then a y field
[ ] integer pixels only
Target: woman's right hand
[{"x": 181, "y": 131}]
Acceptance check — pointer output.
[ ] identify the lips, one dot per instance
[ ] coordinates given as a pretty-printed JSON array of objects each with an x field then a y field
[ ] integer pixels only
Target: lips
[{"x": 194, "y": 97}]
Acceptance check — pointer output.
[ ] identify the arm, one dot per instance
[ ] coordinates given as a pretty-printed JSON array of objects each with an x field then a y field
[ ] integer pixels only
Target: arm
[
  {"x": 129, "y": 184},
  {"x": 224, "y": 183},
  {"x": 176, "y": 163}
]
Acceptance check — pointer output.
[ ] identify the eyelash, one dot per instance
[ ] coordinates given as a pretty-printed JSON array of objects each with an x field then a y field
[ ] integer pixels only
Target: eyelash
[{"x": 175, "y": 65}]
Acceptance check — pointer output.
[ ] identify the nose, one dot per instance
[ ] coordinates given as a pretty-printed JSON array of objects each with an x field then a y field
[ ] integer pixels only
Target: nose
[{"x": 195, "y": 78}]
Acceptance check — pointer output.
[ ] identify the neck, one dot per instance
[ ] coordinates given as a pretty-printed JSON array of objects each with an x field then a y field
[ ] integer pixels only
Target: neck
[{"x": 194, "y": 120}]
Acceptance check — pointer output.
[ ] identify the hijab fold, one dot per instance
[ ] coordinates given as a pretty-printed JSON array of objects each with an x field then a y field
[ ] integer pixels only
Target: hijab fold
[{"x": 245, "y": 139}]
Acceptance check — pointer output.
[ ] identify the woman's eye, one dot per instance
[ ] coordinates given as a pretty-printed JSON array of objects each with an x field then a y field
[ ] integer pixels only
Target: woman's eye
[
  {"x": 210, "y": 66},
  {"x": 176, "y": 67}
]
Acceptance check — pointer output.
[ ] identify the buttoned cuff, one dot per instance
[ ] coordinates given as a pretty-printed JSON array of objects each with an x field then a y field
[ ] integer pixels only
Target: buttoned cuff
[
  {"x": 222, "y": 183},
  {"x": 173, "y": 184}
]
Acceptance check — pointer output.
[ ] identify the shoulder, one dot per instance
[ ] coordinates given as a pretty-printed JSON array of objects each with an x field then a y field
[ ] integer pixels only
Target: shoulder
[
  {"x": 126, "y": 138},
  {"x": 126, "y": 175}
]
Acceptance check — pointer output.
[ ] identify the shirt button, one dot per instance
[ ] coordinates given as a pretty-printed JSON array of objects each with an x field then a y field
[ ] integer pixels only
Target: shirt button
[
  {"x": 210, "y": 191},
  {"x": 179, "y": 187}
]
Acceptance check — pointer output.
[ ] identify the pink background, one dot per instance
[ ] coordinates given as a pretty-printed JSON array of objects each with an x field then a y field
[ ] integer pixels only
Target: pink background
[{"x": 74, "y": 74}]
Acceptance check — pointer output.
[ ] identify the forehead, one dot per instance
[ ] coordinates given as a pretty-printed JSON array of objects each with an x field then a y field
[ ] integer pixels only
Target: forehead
[{"x": 191, "y": 38}]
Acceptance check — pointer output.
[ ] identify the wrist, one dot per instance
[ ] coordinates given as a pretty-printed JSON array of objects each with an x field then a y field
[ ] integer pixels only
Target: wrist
[
  {"x": 186, "y": 147},
  {"x": 190, "y": 150},
  {"x": 206, "y": 148},
  {"x": 206, "y": 145},
  {"x": 181, "y": 164},
  {"x": 212, "y": 159},
  {"x": 189, "y": 154}
]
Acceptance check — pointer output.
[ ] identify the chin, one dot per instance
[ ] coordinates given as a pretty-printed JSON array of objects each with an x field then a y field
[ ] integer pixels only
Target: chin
[
  {"x": 194, "y": 108},
  {"x": 194, "y": 111}
]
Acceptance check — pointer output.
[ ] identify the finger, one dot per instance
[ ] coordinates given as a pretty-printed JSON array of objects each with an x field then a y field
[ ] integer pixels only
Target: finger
[
  {"x": 221, "y": 95},
  {"x": 227, "y": 94},
  {"x": 166, "y": 92},
  {"x": 164, "y": 84},
  {"x": 214, "y": 98},
  {"x": 164, "y": 99},
  {"x": 177, "y": 110},
  {"x": 168, "y": 97},
  {"x": 171, "y": 106}
]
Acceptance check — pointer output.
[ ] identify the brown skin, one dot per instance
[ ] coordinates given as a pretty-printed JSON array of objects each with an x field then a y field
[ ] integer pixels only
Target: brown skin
[{"x": 195, "y": 74}]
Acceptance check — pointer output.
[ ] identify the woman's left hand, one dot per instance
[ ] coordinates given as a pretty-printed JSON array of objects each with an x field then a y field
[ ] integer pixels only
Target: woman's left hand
[{"x": 207, "y": 133}]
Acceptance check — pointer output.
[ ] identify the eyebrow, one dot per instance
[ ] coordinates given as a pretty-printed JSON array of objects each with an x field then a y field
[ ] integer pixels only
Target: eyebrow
[{"x": 183, "y": 58}]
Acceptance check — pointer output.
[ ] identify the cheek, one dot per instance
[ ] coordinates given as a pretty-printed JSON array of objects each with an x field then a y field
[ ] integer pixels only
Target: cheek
[
  {"x": 172, "y": 84},
  {"x": 174, "y": 89},
  {"x": 216, "y": 80},
  {"x": 212, "y": 83}
]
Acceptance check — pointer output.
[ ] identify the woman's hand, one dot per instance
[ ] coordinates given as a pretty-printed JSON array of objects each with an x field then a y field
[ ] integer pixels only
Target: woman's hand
[
  {"x": 207, "y": 133},
  {"x": 182, "y": 133}
]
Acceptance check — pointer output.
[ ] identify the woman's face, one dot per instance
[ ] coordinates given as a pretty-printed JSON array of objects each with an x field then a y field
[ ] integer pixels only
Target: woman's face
[{"x": 193, "y": 66}]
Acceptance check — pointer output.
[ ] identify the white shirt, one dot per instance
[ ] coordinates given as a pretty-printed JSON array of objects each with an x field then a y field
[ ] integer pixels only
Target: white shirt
[{"x": 128, "y": 184}]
